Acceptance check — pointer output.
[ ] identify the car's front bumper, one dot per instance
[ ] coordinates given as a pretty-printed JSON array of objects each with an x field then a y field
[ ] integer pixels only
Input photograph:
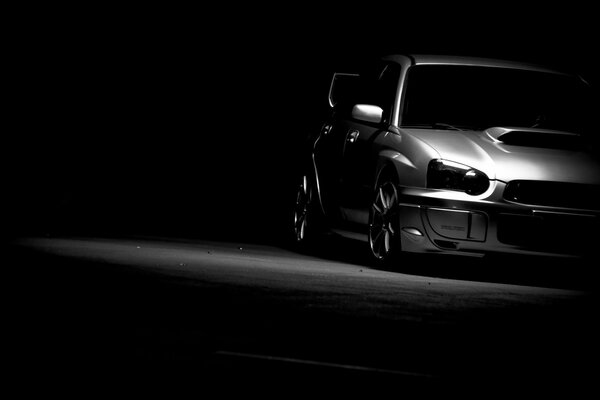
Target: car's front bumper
[{"x": 438, "y": 221}]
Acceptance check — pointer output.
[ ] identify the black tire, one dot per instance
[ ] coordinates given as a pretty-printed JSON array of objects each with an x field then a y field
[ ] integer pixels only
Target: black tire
[
  {"x": 384, "y": 223},
  {"x": 307, "y": 219}
]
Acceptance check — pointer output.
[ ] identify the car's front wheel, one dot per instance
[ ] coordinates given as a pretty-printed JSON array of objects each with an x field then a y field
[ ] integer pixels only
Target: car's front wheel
[{"x": 384, "y": 223}]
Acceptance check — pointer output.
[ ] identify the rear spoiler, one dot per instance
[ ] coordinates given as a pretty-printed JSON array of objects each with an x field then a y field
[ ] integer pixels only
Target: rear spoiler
[{"x": 340, "y": 86}]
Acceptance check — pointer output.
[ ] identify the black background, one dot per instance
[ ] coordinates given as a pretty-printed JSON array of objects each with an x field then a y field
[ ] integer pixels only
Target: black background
[{"x": 189, "y": 122}]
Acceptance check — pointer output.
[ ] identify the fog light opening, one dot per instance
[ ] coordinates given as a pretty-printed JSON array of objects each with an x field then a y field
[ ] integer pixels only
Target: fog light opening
[{"x": 446, "y": 244}]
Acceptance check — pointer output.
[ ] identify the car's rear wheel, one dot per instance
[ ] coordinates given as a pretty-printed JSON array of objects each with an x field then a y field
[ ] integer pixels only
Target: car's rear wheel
[
  {"x": 384, "y": 223},
  {"x": 305, "y": 216}
]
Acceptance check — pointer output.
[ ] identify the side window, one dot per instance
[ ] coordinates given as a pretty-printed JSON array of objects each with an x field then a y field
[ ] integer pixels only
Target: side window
[
  {"x": 345, "y": 91},
  {"x": 380, "y": 86}
]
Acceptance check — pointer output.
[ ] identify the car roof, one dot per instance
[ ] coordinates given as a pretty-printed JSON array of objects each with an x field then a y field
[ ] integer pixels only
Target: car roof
[{"x": 439, "y": 59}]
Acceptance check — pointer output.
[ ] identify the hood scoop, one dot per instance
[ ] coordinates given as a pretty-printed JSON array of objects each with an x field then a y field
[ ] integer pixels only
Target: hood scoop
[{"x": 534, "y": 137}]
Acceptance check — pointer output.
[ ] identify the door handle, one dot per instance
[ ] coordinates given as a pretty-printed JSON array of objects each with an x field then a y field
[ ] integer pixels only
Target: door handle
[{"x": 352, "y": 136}]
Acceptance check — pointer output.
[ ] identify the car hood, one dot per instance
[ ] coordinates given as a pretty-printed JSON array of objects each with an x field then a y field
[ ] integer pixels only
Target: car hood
[{"x": 506, "y": 162}]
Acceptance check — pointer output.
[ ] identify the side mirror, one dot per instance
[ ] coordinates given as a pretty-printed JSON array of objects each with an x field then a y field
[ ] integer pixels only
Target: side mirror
[{"x": 367, "y": 113}]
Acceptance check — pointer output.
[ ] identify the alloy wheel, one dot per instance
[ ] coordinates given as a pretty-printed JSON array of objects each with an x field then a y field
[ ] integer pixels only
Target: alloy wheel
[
  {"x": 302, "y": 209},
  {"x": 383, "y": 221}
]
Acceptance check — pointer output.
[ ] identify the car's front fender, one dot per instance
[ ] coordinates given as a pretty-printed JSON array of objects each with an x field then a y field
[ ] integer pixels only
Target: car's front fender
[{"x": 407, "y": 156}]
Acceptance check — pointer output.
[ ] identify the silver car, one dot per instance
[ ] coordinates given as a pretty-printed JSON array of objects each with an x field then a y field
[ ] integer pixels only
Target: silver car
[{"x": 440, "y": 154}]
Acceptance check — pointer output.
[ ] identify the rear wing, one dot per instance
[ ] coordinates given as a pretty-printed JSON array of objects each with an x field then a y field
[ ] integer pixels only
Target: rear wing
[{"x": 342, "y": 85}]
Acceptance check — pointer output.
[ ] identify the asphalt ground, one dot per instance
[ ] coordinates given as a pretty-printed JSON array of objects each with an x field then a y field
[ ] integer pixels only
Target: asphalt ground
[{"x": 156, "y": 315}]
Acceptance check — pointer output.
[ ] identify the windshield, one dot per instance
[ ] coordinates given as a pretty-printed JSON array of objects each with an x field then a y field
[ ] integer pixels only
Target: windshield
[{"x": 475, "y": 97}]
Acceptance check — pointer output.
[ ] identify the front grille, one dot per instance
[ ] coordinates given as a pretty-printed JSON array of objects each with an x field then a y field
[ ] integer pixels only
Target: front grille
[{"x": 554, "y": 194}]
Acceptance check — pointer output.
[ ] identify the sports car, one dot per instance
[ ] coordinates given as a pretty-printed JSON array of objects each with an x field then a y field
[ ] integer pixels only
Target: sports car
[{"x": 455, "y": 155}]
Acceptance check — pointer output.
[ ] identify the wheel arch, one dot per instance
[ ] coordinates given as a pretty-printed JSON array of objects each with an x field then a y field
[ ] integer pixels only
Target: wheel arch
[
  {"x": 385, "y": 169},
  {"x": 393, "y": 164},
  {"x": 315, "y": 171},
  {"x": 410, "y": 168}
]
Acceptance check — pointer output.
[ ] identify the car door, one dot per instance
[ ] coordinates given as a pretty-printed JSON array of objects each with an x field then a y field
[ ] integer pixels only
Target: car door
[
  {"x": 329, "y": 148},
  {"x": 328, "y": 158},
  {"x": 359, "y": 149}
]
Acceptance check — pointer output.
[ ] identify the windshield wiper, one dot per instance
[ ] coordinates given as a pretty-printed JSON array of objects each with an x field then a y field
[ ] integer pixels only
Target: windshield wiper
[
  {"x": 442, "y": 125},
  {"x": 435, "y": 125}
]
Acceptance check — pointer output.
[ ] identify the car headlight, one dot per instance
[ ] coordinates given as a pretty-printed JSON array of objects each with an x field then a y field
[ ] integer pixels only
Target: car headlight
[{"x": 444, "y": 174}]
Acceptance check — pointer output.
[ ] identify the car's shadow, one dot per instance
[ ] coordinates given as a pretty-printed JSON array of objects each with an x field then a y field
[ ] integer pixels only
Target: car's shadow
[{"x": 563, "y": 273}]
